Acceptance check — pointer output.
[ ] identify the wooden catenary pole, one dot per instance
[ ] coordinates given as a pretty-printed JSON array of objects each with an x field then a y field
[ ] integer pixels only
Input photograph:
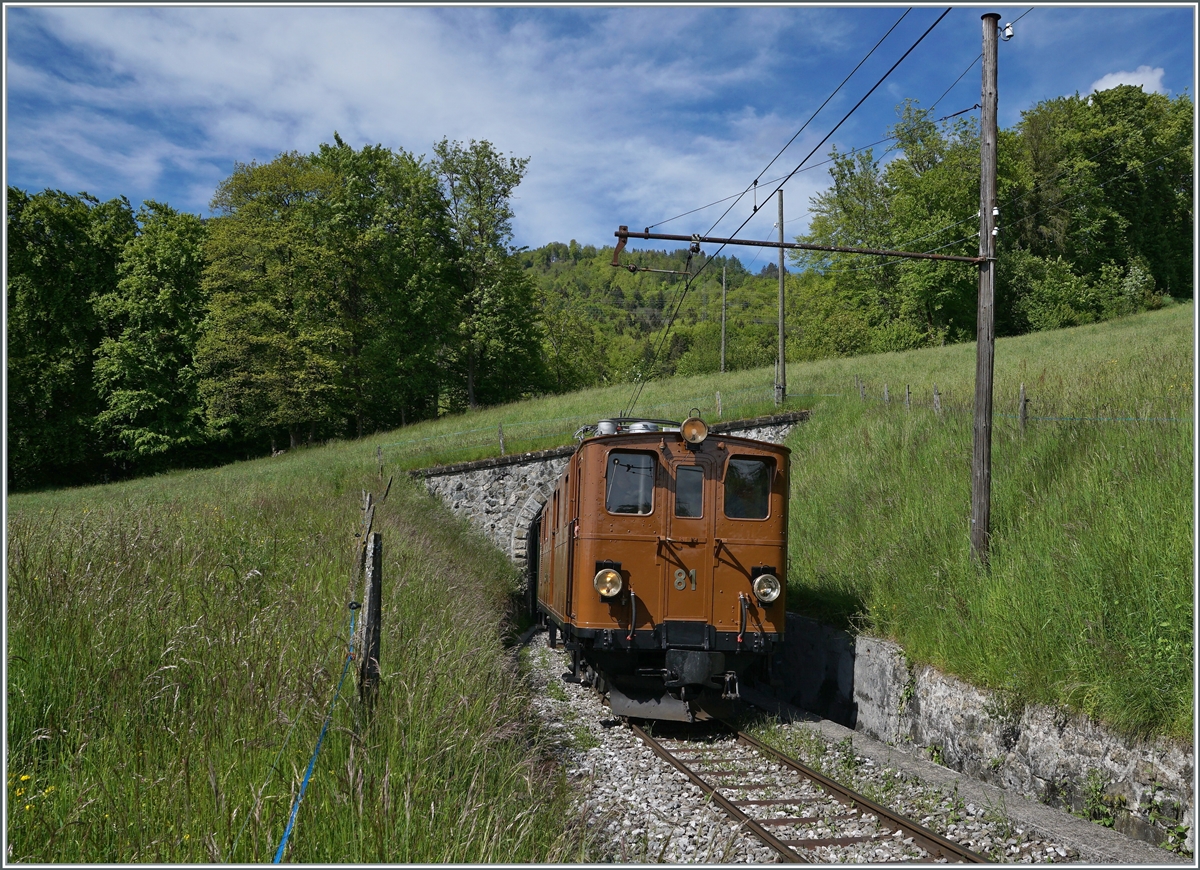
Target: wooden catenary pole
[
  {"x": 985, "y": 331},
  {"x": 722, "y": 323},
  {"x": 781, "y": 381}
]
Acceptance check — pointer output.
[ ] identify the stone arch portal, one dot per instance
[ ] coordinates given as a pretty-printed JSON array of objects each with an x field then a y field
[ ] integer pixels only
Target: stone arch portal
[{"x": 519, "y": 543}]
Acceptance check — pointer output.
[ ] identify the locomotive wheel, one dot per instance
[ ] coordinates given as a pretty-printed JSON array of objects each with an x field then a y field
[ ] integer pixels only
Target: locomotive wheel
[{"x": 589, "y": 675}]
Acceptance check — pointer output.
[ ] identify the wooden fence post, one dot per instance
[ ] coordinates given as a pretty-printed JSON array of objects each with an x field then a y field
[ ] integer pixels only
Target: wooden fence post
[
  {"x": 368, "y": 669},
  {"x": 379, "y": 460},
  {"x": 937, "y": 400},
  {"x": 1021, "y": 410},
  {"x": 886, "y": 399},
  {"x": 718, "y": 404},
  {"x": 361, "y": 538},
  {"x": 501, "y": 439},
  {"x": 862, "y": 388},
  {"x": 907, "y": 398}
]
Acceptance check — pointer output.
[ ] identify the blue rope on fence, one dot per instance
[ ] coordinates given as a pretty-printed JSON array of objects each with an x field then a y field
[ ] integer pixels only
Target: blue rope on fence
[{"x": 312, "y": 761}]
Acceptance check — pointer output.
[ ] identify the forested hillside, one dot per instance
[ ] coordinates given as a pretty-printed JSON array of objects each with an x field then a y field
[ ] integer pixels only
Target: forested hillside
[
  {"x": 332, "y": 294},
  {"x": 343, "y": 292}
]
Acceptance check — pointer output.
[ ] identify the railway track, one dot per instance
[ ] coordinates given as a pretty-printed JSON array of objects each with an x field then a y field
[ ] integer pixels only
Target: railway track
[{"x": 797, "y": 811}]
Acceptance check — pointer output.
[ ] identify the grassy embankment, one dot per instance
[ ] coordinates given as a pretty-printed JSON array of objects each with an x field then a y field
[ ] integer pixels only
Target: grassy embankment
[
  {"x": 165, "y": 635},
  {"x": 1089, "y": 598}
]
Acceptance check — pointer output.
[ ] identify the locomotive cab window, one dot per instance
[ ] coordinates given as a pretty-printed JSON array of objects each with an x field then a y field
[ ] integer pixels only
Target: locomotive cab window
[
  {"x": 748, "y": 488},
  {"x": 689, "y": 491},
  {"x": 629, "y": 488}
]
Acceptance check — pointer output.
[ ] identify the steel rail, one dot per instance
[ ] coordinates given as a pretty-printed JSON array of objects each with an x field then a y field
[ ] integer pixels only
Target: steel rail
[
  {"x": 936, "y": 845},
  {"x": 624, "y": 234},
  {"x": 759, "y": 831}
]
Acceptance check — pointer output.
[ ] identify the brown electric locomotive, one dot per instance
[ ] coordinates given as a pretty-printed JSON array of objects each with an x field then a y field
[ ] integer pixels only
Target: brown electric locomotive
[{"x": 661, "y": 560}]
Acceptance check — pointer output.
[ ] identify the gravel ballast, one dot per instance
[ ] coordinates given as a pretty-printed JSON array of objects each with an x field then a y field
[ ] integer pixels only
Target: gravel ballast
[{"x": 639, "y": 809}]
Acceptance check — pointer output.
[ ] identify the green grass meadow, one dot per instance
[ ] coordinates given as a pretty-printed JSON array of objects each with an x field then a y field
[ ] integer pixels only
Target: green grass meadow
[
  {"x": 173, "y": 643},
  {"x": 1089, "y": 599},
  {"x": 173, "y": 648}
]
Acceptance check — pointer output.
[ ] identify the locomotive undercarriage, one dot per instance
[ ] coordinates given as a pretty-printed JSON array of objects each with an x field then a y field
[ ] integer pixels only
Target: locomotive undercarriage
[{"x": 645, "y": 678}]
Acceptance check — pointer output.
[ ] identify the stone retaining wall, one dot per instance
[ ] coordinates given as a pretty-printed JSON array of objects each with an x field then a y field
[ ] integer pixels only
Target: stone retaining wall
[
  {"x": 1061, "y": 759},
  {"x": 503, "y": 501}
]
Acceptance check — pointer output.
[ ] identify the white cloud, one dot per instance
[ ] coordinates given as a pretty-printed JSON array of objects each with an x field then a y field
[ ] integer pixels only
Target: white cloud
[
  {"x": 630, "y": 115},
  {"x": 594, "y": 106},
  {"x": 1148, "y": 78}
]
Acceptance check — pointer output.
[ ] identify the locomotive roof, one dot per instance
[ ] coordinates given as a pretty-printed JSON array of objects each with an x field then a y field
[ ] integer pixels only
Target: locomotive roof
[{"x": 640, "y": 438}]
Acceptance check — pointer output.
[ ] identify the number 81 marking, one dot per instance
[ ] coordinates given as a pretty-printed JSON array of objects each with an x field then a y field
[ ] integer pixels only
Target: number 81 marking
[{"x": 681, "y": 578}]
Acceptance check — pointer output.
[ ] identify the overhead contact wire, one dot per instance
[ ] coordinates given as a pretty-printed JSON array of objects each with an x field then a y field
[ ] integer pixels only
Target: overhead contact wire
[
  {"x": 771, "y": 181},
  {"x": 810, "y": 120},
  {"x": 742, "y": 226}
]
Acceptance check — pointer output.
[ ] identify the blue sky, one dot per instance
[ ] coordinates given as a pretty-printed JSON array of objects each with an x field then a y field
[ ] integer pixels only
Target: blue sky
[{"x": 630, "y": 114}]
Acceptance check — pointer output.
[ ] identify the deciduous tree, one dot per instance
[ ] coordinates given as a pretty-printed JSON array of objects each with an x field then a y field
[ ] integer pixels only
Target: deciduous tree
[
  {"x": 271, "y": 349},
  {"x": 144, "y": 370},
  {"x": 62, "y": 255},
  {"x": 497, "y": 346},
  {"x": 385, "y": 225}
]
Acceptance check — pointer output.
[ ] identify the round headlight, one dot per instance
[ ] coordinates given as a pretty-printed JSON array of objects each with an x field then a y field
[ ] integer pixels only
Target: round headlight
[
  {"x": 693, "y": 430},
  {"x": 766, "y": 587},
  {"x": 607, "y": 582}
]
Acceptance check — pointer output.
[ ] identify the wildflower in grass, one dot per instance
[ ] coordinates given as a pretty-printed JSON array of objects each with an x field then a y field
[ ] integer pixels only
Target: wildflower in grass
[
  {"x": 20, "y": 792},
  {"x": 48, "y": 789},
  {"x": 25, "y": 777},
  {"x": 28, "y": 807}
]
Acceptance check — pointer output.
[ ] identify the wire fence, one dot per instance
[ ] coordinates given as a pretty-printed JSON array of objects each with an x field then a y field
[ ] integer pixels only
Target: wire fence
[
  {"x": 522, "y": 436},
  {"x": 948, "y": 402},
  {"x": 528, "y": 435}
]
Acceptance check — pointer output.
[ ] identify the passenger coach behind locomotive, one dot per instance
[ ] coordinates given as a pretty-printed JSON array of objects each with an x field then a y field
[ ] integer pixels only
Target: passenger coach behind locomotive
[{"x": 661, "y": 558}]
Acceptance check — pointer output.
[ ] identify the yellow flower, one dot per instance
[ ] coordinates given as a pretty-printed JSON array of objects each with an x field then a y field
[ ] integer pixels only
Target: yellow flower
[
  {"x": 28, "y": 807},
  {"x": 187, "y": 836},
  {"x": 25, "y": 776},
  {"x": 20, "y": 792},
  {"x": 48, "y": 789}
]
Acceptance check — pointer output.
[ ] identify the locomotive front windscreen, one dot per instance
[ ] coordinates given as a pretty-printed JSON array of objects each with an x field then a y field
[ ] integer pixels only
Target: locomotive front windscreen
[
  {"x": 689, "y": 491},
  {"x": 748, "y": 488},
  {"x": 630, "y": 485}
]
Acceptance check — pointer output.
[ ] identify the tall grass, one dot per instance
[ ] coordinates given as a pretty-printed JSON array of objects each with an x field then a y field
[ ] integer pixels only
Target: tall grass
[
  {"x": 1088, "y": 601},
  {"x": 551, "y": 421},
  {"x": 173, "y": 646},
  {"x": 168, "y": 639}
]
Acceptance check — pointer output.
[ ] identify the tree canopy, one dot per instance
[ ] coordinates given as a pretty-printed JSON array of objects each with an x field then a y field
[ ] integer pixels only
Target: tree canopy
[
  {"x": 143, "y": 368},
  {"x": 63, "y": 253},
  {"x": 346, "y": 291}
]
